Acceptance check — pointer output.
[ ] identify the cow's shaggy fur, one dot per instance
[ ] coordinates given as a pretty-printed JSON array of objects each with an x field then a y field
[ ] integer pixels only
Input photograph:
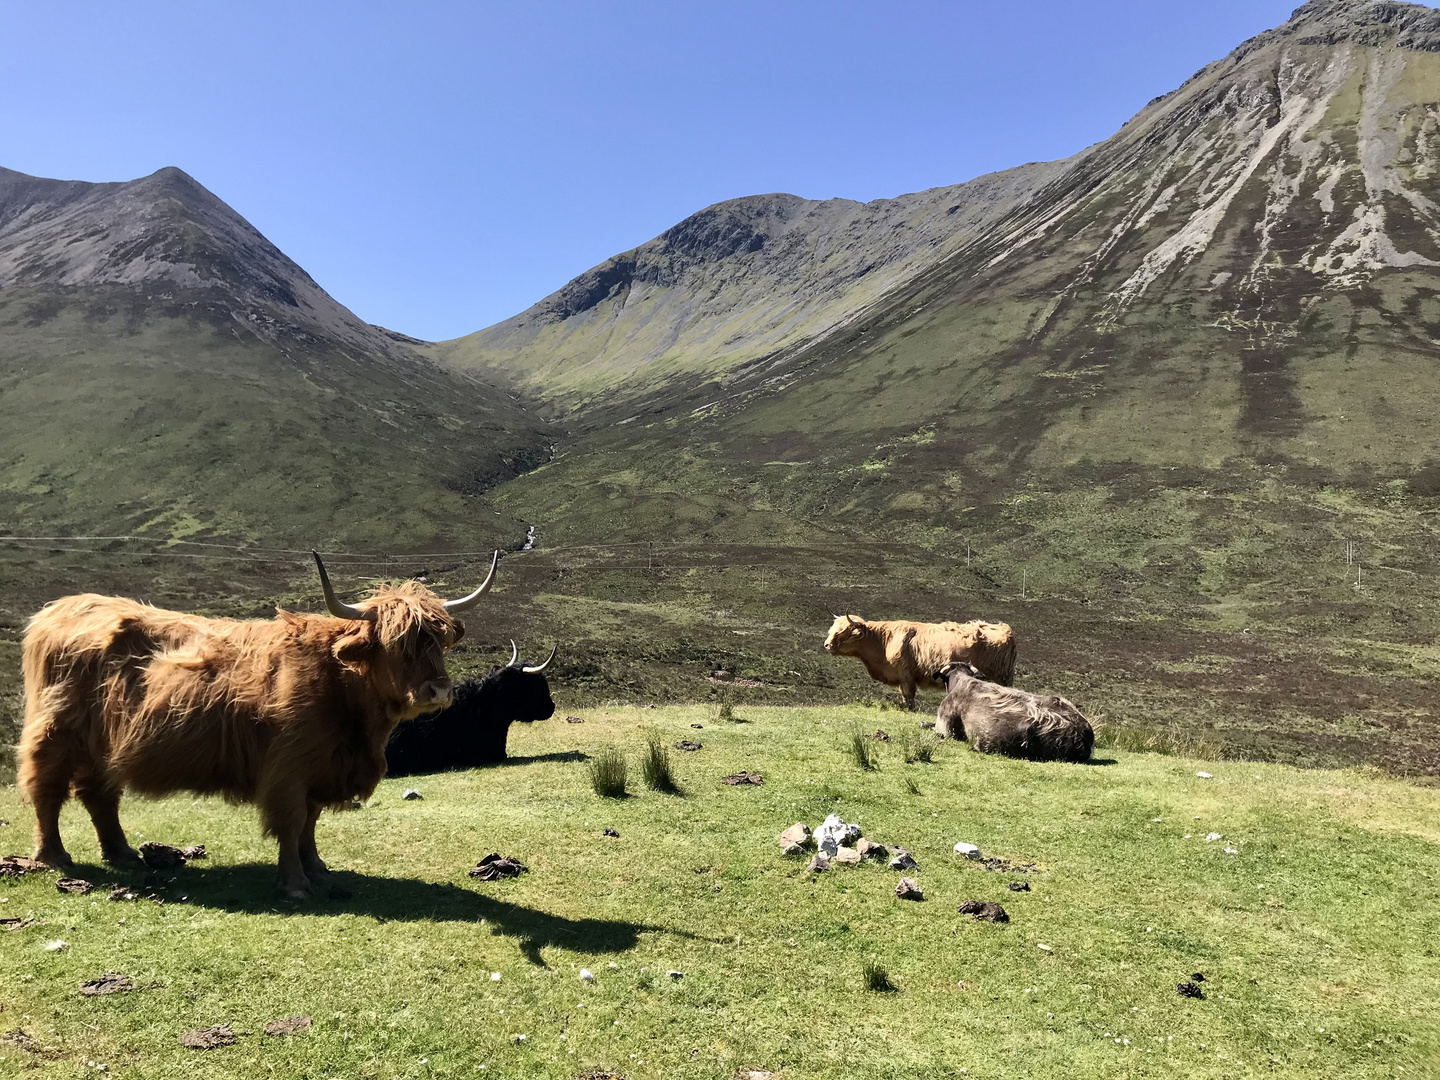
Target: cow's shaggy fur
[
  {"x": 473, "y": 730},
  {"x": 291, "y": 713},
  {"x": 906, "y": 654},
  {"x": 1004, "y": 720}
]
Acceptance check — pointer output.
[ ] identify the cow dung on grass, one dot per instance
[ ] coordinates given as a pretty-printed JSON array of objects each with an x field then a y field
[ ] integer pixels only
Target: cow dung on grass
[
  {"x": 985, "y": 911},
  {"x": 288, "y": 1025},
  {"x": 210, "y": 1038},
  {"x": 112, "y": 983}
]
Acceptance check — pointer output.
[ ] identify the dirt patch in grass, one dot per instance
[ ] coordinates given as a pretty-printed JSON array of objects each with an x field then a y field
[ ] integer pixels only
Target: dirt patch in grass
[
  {"x": 210, "y": 1038},
  {"x": 113, "y": 983}
]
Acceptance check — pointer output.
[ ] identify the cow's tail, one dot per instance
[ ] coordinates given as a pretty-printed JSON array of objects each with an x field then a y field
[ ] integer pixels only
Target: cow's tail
[{"x": 41, "y": 669}]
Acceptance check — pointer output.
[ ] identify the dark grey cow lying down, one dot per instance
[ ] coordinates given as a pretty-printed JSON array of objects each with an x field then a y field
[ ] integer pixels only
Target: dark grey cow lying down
[
  {"x": 473, "y": 730},
  {"x": 1004, "y": 720}
]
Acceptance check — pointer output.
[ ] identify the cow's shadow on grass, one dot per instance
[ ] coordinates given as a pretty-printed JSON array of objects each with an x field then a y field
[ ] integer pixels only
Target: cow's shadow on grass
[
  {"x": 250, "y": 888},
  {"x": 537, "y": 759}
]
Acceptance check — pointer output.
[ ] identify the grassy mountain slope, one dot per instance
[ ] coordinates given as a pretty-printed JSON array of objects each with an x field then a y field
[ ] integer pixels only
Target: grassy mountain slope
[
  {"x": 1166, "y": 407},
  {"x": 1174, "y": 403},
  {"x": 167, "y": 371},
  {"x": 727, "y": 285}
]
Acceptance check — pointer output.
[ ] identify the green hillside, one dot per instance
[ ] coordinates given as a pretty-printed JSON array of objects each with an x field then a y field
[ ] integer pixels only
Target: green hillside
[
  {"x": 168, "y": 372},
  {"x": 1176, "y": 404}
]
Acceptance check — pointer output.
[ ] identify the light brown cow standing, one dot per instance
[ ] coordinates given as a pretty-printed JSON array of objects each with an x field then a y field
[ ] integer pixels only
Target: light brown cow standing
[
  {"x": 905, "y": 654},
  {"x": 291, "y": 713}
]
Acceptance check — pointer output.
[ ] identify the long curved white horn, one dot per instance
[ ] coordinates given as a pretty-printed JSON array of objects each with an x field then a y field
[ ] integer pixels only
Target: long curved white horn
[
  {"x": 332, "y": 602},
  {"x": 542, "y": 667},
  {"x": 465, "y": 603},
  {"x": 514, "y": 653}
]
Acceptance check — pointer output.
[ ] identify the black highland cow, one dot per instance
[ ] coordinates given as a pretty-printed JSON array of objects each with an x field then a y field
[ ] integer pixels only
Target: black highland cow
[{"x": 473, "y": 729}]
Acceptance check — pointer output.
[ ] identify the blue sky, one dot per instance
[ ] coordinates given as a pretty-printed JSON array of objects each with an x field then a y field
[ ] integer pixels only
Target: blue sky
[{"x": 438, "y": 167}]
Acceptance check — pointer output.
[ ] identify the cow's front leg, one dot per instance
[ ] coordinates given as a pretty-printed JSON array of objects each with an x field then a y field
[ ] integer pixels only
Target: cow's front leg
[
  {"x": 310, "y": 860},
  {"x": 285, "y": 817}
]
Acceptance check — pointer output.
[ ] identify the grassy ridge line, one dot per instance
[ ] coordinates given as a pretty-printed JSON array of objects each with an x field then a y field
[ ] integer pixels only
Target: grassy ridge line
[{"x": 1314, "y": 937}]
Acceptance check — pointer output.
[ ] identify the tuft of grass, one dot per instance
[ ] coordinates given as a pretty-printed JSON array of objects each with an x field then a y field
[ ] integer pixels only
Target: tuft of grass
[
  {"x": 877, "y": 979},
  {"x": 608, "y": 774},
  {"x": 655, "y": 765},
  {"x": 910, "y": 786},
  {"x": 918, "y": 746},
  {"x": 857, "y": 746},
  {"x": 1158, "y": 740}
]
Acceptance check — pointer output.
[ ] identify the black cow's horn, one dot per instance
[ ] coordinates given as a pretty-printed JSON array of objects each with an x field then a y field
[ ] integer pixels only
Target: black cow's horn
[
  {"x": 514, "y": 653},
  {"x": 465, "y": 603},
  {"x": 542, "y": 667},
  {"x": 332, "y": 602}
]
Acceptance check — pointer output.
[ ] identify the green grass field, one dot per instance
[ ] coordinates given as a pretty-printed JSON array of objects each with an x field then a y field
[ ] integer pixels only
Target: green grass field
[{"x": 1316, "y": 937}]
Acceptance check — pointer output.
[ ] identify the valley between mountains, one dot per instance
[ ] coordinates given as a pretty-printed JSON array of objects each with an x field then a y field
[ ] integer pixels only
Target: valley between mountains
[{"x": 1167, "y": 406}]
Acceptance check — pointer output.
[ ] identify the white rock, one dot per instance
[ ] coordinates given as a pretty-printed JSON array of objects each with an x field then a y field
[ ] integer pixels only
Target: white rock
[
  {"x": 1212, "y": 837},
  {"x": 970, "y": 851},
  {"x": 1205, "y": 775},
  {"x": 587, "y": 975},
  {"x": 495, "y": 976},
  {"x": 1047, "y": 948},
  {"x": 411, "y": 794},
  {"x": 56, "y": 946},
  {"x": 833, "y": 834},
  {"x": 1231, "y": 851}
]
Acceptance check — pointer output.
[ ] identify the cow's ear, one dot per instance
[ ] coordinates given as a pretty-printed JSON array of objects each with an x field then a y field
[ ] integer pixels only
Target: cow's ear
[
  {"x": 459, "y": 633},
  {"x": 355, "y": 648}
]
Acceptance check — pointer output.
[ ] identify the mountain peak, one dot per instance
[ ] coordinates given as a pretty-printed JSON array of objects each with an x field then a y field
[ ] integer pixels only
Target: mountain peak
[
  {"x": 1365, "y": 22},
  {"x": 166, "y": 239}
]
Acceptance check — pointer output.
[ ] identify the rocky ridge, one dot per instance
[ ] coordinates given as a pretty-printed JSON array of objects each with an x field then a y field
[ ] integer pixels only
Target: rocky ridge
[{"x": 173, "y": 244}]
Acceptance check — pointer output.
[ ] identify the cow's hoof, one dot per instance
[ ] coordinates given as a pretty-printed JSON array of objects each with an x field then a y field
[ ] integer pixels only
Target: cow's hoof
[
  {"x": 56, "y": 859},
  {"x": 126, "y": 858},
  {"x": 296, "y": 892}
]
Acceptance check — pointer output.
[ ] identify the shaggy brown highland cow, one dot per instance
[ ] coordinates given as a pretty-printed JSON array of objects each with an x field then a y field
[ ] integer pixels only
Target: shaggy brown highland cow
[
  {"x": 1003, "y": 720},
  {"x": 291, "y": 713},
  {"x": 905, "y": 654}
]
